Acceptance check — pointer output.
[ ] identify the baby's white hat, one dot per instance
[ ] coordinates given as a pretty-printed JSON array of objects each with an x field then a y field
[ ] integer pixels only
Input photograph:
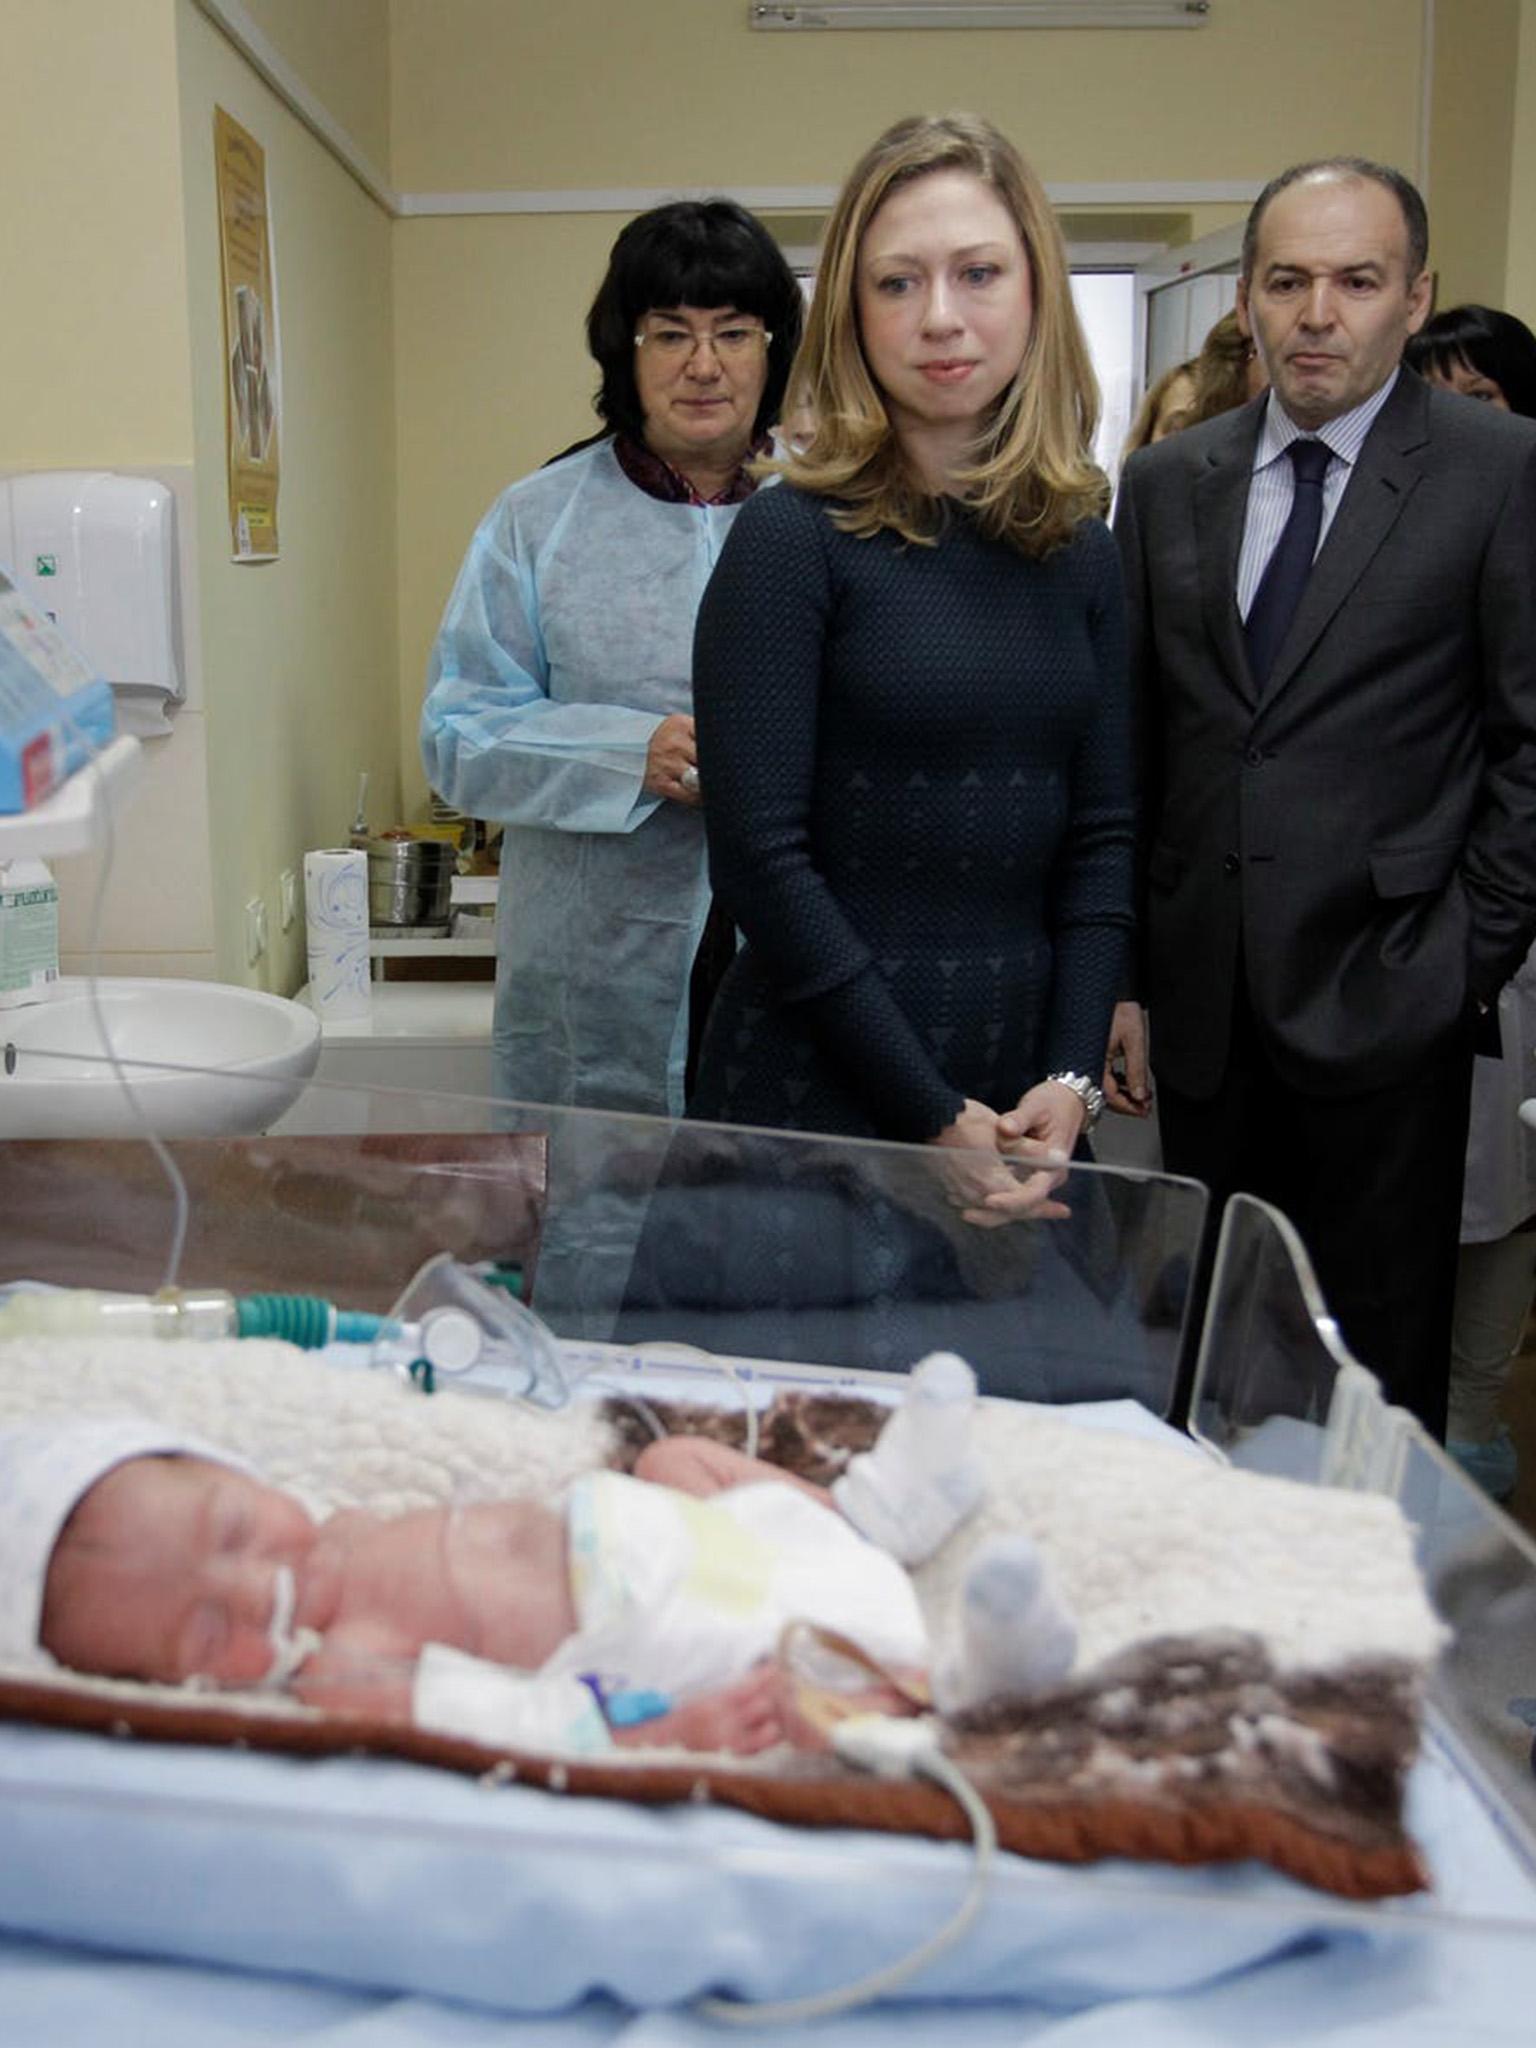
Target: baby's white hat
[{"x": 45, "y": 1469}]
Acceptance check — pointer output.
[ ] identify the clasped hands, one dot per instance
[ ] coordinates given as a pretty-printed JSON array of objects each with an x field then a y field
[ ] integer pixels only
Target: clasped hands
[{"x": 1043, "y": 1127}]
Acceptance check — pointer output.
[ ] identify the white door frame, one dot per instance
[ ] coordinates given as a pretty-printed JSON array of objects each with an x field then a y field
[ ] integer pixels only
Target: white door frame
[{"x": 1216, "y": 253}]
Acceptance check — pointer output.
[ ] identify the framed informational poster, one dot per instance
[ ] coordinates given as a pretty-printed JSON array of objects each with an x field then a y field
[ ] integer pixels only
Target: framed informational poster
[{"x": 251, "y": 385}]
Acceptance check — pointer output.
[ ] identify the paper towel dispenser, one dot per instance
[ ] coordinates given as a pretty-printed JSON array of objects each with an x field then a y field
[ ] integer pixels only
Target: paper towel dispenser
[{"x": 96, "y": 551}]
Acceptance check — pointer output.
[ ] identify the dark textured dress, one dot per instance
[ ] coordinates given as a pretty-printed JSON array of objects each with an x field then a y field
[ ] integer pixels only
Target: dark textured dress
[
  {"x": 916, "y": 771},
  {"x": 916, "y": 786}
]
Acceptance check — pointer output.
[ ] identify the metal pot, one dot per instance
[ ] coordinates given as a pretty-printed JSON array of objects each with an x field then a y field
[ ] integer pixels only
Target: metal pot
[{"x": 409, "y": 880}]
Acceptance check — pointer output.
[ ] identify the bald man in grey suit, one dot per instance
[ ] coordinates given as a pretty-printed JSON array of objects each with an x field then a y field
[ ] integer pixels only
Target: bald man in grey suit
[{"x": 1335, "y": 649}]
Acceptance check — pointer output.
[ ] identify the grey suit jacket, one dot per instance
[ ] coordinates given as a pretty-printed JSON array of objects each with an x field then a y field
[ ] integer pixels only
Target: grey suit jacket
[{"x": 1363, "y": 839}]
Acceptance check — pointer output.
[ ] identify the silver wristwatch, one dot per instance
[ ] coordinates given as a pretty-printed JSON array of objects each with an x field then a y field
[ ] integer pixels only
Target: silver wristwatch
[{"x": 1088, "y": 1092}]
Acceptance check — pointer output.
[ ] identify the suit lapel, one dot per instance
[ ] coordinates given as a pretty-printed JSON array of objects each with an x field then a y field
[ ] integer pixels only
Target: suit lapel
[
  {"x": 1221, "y": 506},
  {"x": 1388, "y": 468}
]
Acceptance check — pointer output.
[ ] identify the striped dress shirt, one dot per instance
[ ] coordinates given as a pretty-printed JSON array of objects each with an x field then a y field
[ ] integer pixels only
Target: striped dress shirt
[{"x": 1274, "y": 481}]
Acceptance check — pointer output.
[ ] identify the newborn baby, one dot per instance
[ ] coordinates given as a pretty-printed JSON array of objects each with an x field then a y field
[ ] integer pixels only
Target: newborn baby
[{"x": 646, "y": 1611}]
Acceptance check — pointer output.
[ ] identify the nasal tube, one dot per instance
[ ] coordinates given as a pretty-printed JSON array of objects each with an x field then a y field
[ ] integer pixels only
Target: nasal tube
[{"x": 300, "y": 1319}]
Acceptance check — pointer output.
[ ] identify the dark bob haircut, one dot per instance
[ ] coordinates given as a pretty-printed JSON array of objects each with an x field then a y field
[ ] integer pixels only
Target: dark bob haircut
[
  {"x": 690, "y": 252},
  {"x": 1403, "y": 190},
  {"x": 1480, "y": 338}
]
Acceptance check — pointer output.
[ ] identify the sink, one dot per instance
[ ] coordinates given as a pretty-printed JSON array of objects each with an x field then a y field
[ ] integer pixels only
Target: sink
[{"x": 264, "y": 1049}]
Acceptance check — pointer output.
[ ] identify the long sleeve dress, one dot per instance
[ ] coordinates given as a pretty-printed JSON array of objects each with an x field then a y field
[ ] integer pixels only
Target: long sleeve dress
[{"x": 916, "y": 770}]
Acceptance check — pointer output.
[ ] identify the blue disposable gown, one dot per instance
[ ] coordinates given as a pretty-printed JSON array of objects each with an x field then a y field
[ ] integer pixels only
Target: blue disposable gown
[{"x": 568, "y": 638}]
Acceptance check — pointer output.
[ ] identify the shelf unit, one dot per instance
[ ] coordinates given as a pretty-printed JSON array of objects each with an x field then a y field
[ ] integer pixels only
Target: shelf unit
[{"x": 433, "y": 949}]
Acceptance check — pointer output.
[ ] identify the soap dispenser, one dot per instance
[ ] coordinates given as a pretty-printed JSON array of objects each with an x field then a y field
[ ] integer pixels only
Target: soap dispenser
[{"x": 29, "y": 933}]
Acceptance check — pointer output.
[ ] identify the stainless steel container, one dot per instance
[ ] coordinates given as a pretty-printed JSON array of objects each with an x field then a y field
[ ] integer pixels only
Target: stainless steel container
[{"x": 409, "y": 880}]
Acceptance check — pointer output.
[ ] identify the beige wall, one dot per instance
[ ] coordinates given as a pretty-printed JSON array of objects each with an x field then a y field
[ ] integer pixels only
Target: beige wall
[
  {"x": 427, "y": 361},
  {"x": 95, "y": 372},
  {"x": 340, "y": 49},
  {"x": 93, "y": 345},
  {"x": 488, "y": 95},
  {"x": 116, "y": 359},
  {"x": 493, "y": 378},
  {"x": 1520, "y": 272},
  {"x": 299, "y": 655},
  {"x": 1471, "y": 137}
]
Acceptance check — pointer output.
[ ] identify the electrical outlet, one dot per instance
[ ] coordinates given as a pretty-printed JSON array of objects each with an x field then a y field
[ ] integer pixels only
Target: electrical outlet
[
  {"x": 255, "y": 930},
  {"x": 287, "y": 899}
]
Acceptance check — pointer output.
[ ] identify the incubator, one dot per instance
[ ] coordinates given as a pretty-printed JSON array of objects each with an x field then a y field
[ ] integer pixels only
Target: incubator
[
  {"x": 772, "y": 1291},
  {"x": 1244, "y": 1743}
]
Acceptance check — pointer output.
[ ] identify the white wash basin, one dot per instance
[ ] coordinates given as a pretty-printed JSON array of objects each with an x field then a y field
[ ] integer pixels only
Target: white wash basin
[{"x": 56, "y": 1081}]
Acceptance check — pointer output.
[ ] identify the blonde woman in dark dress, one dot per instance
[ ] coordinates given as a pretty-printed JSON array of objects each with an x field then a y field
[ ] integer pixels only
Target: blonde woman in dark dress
[{"x": 911, "y": 697}]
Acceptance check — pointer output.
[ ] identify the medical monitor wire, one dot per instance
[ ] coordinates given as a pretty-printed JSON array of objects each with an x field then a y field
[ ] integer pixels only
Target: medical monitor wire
[
  {"x": 892, "y": 1748},
  {"x": 172, "y": 1172}
]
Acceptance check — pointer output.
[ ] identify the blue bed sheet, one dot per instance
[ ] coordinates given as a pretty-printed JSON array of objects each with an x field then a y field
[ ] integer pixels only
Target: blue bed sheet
[
  {"x": 193, "y": 1898},
  {"x": 390, "y": 1877},
  {"x": 1472, "y": 1993}
]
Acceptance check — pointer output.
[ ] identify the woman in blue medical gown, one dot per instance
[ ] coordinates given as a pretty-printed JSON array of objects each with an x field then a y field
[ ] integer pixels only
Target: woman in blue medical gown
[{"x": 559, "y": 697}]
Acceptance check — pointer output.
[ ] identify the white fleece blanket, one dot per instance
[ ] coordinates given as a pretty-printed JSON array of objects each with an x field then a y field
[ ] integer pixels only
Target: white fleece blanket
[
  {"x": 339, "y": 1438},
  {"x": 1141, "y": 1538}
]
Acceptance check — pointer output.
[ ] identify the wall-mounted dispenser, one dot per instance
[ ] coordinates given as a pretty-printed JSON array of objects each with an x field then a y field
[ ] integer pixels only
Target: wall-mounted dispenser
[{"x": 96, "y": 551}]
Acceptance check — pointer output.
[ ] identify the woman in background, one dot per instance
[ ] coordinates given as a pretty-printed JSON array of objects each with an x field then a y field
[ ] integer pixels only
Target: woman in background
[
  {"x": 1480, "y": 352},
  {"x": 559, "y": 699},
  {"x": 1164, "y": 408},
  {"x": 911, "y": 694},
  {"x": 1226, "y": 373},
  {"x": 1491, "y": 356}
]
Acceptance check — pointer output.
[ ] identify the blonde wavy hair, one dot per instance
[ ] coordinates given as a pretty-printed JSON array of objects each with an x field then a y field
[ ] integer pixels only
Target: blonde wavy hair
[{"x": 1032, "y": 479}]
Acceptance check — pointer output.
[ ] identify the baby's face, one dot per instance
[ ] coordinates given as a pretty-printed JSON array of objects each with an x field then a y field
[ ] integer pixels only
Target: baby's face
[{"x": 167, "y": 1570}]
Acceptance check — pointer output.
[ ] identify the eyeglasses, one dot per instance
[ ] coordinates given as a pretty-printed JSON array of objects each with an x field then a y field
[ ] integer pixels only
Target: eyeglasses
[{"x": 679, "y": 345}]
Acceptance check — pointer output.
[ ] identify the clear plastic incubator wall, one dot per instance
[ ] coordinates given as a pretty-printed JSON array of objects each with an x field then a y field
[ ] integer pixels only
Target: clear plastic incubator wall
[{"x": 775, "y": 1285}]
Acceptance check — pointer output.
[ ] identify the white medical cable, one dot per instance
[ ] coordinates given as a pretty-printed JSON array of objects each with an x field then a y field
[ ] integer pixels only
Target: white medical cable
[
  {"x": 647, "y": 1414},
  {"x": 152, "y": 1137},
  {"x": 181, "y": 1207},
  {"x": 734, "y": 1373},
  {"x": 891, "y": 1748},
  {"x": 666, "y": 1348}
]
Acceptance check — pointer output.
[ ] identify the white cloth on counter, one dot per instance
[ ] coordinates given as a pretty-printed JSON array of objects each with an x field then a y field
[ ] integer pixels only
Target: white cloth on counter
[{"x": 336, "y": 933}]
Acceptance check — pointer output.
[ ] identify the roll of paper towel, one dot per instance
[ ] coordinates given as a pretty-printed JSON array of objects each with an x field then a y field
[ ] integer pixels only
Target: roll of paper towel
[{"x": 336, "y": 917}]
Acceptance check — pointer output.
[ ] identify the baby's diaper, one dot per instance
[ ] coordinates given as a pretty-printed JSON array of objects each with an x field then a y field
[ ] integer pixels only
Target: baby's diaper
[{"x": 683, "y": 1595}]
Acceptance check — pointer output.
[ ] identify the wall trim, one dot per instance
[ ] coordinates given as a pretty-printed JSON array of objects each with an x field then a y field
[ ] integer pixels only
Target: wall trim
[
  {"x": 234, "y": 21},
  {"x": 1426, "y": 94},
  {"x": 802, "y": 198},
  {"x": 269, "y": 64}
]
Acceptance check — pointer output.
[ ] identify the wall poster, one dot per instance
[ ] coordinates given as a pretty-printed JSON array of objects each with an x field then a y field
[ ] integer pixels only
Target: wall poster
[{"x": 251, "y": 391}]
